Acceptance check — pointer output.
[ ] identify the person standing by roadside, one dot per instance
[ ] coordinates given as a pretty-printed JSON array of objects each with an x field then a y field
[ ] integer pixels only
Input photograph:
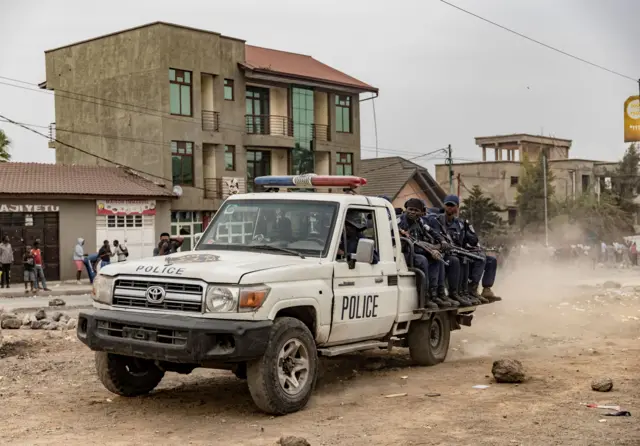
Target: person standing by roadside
[
  {"x": 120, "y": 251},
  {"x": 104, "y": 255},
  {"x": 78, "y": 259},
  {"x": 6, "y": 260},
  {"x": 29, "y": 274},
  {"x": 38, "y": 266}
]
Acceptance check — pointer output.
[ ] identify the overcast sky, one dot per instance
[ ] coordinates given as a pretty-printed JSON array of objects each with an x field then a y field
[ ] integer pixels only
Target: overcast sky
[{"x": 444, "y": 77}]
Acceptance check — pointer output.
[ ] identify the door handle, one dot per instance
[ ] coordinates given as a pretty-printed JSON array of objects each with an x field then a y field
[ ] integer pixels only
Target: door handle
[
  {"x": 346, "y": 284},
  {"x": 379, "y": 279}
]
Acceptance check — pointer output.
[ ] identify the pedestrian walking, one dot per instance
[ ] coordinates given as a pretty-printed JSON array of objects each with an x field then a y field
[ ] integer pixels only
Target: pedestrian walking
[
  {"x": 6, "y": 260},
  {"x": 29, "y": 273},
  {"x": 104, "y": 255},
  {"x": 38, "y": 266}
]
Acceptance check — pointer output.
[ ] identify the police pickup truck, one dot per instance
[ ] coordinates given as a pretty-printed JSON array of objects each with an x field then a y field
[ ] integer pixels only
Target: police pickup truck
[{"x": 266, "y": 290}]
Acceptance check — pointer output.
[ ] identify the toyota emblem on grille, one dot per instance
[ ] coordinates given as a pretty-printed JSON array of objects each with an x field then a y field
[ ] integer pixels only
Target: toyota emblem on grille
[{"x": 155, "y": 294}]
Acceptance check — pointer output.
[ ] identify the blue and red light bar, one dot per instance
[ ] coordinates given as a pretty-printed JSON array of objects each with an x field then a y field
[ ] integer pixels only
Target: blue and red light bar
[{"x": 310, "y": 180}]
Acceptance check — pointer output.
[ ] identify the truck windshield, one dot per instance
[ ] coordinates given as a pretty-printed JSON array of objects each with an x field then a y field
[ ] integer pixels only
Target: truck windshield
[{"x": 303, "y": 226}]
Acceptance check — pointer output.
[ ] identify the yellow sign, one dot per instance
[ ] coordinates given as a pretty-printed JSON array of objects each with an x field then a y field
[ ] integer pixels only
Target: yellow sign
[{"x": 632, "y": 119}]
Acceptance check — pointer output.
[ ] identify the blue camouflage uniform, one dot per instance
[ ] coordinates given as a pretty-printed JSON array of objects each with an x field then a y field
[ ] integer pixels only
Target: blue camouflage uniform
[{"x": 420, "y": 259}]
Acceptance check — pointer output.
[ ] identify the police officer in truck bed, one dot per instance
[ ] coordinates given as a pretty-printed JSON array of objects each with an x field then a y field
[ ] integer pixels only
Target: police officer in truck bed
[{"x": 411, "y": 225}]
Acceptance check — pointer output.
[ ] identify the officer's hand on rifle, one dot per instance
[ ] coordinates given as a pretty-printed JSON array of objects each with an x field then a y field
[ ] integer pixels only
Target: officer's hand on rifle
[
  {"x": 404, "y": 233},
  {"x": 445, "y": 245},
  {"x": 437, "y": 255}
]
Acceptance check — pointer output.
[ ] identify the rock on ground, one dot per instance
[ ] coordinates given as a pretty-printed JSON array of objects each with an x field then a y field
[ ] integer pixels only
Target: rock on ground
[
  {"x": 603, "y": 384},
  {"x": 56, "y": 316},
  {"x": 293, "y": 441},
  {"x": 36, "y": 325},
  {"x": 40, "y": 314},
  {"x": 508, "y": 371},
  {"x": 57, "y": 302},
  {"x": 71, "y": 324},
  {"x": 5, "y": 316},
  {"x": 611, "y": 284},
  {"x": 14, "y": 323}
]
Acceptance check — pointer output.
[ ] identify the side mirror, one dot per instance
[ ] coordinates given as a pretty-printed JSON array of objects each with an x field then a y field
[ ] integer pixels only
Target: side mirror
[
  {"x": 364, "y": 252},
  {"x": 197, "y": 237}
]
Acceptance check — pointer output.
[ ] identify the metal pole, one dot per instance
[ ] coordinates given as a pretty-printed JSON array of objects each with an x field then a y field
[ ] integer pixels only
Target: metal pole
[
  {"x": 375, "y": 124},
  {"x": 450, "y": 162},
  {"x": 544, "y": 179}
]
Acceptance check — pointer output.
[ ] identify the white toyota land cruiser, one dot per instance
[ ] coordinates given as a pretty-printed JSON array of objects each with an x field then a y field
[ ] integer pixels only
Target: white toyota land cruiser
[{"x": 266, "y": 290}]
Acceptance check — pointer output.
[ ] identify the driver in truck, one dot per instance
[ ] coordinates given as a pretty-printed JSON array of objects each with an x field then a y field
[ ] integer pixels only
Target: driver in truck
[{"x": 353, "y": 231}]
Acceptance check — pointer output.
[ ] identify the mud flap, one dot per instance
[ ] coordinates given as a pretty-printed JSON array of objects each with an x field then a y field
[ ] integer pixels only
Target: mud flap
[{"x": 464, "y": 319}]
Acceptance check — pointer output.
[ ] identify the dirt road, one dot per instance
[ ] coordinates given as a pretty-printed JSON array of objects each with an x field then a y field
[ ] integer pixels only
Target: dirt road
[{"x": 564, "y": 335}]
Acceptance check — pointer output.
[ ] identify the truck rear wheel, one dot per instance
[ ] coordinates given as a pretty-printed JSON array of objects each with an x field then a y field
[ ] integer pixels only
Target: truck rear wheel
[
  {"x": 283, "y": 379},
  {"x": 126, "y": 375},
  {"x": 429, "y": 340}
]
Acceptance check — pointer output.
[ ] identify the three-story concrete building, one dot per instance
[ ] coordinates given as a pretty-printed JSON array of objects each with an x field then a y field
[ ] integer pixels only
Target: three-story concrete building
[{"x": 206, "y": 112}]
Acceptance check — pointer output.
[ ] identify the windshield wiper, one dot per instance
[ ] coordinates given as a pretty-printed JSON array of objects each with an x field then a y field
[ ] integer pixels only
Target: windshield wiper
[{"x": 276, "y": 248}]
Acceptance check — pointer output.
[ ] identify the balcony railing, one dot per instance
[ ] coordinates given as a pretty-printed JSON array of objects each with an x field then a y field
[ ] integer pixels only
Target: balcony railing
[
  {"x": 320, "y": 132},
  {"x": 212, "y": 188},
  {"x": 210, "y": 120},
  {"x": 269, "y": 125}
]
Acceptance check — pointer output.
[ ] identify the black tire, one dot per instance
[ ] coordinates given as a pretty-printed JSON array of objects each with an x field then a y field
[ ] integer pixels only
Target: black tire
[
  {"x": 126, "y": 375},
  {"x": 429, "y": 340},
  {"x": 263, "y": 374}
]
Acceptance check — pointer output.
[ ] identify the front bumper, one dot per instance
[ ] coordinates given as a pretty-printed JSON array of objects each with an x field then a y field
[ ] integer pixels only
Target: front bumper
[{"x": 173, "y": 338}]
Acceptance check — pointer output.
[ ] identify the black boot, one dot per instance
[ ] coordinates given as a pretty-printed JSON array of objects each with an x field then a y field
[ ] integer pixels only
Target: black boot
[
  {"x": 473, "y": 292},
  {"x": 460, "y": 299},
  {"x": 465, "y": 295},
  {"x": 433, "y": 296},
  {"x": 443, "y": 296}
]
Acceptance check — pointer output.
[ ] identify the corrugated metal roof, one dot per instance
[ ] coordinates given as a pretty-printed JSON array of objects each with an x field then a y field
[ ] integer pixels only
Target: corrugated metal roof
[{"x": 57, "y": 179}]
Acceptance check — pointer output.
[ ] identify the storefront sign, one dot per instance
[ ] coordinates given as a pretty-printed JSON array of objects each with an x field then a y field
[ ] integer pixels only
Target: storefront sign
[
  {"x": 632, "y": 119},
  {"x": 29, "y": 208},
  {"x": 126, "y": 207}
]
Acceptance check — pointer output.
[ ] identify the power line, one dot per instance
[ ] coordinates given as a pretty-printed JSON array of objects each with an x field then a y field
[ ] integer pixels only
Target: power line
[
  {"x": 88, "y": 153},
  {"x": 542, "y": 43},
  {"x": 402, "y": 161},
  {"x": 155, "y": 112}
]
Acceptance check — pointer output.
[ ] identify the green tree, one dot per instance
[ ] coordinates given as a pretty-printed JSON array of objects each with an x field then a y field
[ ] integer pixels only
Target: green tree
[
  {"x": 597, "y": 218},
  {"x": 5, "y": 142},
  {"x": 626, "y": 179},
  {"x": 530, "y": 196},
  {"x": 482, "y": 213}
]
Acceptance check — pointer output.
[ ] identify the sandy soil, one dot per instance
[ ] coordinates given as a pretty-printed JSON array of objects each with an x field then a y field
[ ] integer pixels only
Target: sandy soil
[{"x": 564, "y": 334}]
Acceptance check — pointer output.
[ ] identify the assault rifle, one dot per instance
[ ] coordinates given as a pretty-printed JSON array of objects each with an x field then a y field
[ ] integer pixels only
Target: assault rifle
[
  {"x": 430, "y": 249},
  {"x": 452, "y": 249}
]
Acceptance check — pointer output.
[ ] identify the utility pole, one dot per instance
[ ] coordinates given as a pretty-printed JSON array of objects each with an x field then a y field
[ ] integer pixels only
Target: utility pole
[
  {"x": 544, "y": 179},
  {"x": 375, "y": 123},
  {"x": 458, "y": 177},
  {"x": 450, "y": 163}
]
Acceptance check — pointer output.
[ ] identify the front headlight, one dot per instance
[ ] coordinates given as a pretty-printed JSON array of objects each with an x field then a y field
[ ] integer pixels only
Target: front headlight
[
  {"x": 102, "y": 289},
  {"x": 221, "y": 299}
]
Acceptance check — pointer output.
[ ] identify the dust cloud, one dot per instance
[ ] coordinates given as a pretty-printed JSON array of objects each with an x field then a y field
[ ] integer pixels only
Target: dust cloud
[{"x": 548, "y": 303}]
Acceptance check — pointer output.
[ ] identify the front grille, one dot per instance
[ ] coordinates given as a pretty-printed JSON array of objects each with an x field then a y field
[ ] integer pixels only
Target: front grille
[
  {"x": 141, "y": 333},
  {"x": 131, "y": 293}
]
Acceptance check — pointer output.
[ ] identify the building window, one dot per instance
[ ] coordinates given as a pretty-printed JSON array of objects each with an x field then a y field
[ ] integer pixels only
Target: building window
[
  {"x": 258, "y": 165},
  {"x": 585, "y": 184},
  {"x": 514, "y": 181},
  {"x": 343, "y": 113},
  {"x": 230, "y": 158},
  {"x": 180, "y": 92},
  {"x": 187, "y": 224},
  {"x": 512, "y": 216},
  {"x": 182, "y": 162},
  {"x": 228, "y": 90},
  {"x": 344, "y": 164}
]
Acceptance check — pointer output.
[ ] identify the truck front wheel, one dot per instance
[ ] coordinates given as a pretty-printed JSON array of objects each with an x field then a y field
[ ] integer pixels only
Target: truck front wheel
[
  {"x": 429, "y": 340},
  {"x": 283, "y": 379},
  {"x": 126, "y": 375}
]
